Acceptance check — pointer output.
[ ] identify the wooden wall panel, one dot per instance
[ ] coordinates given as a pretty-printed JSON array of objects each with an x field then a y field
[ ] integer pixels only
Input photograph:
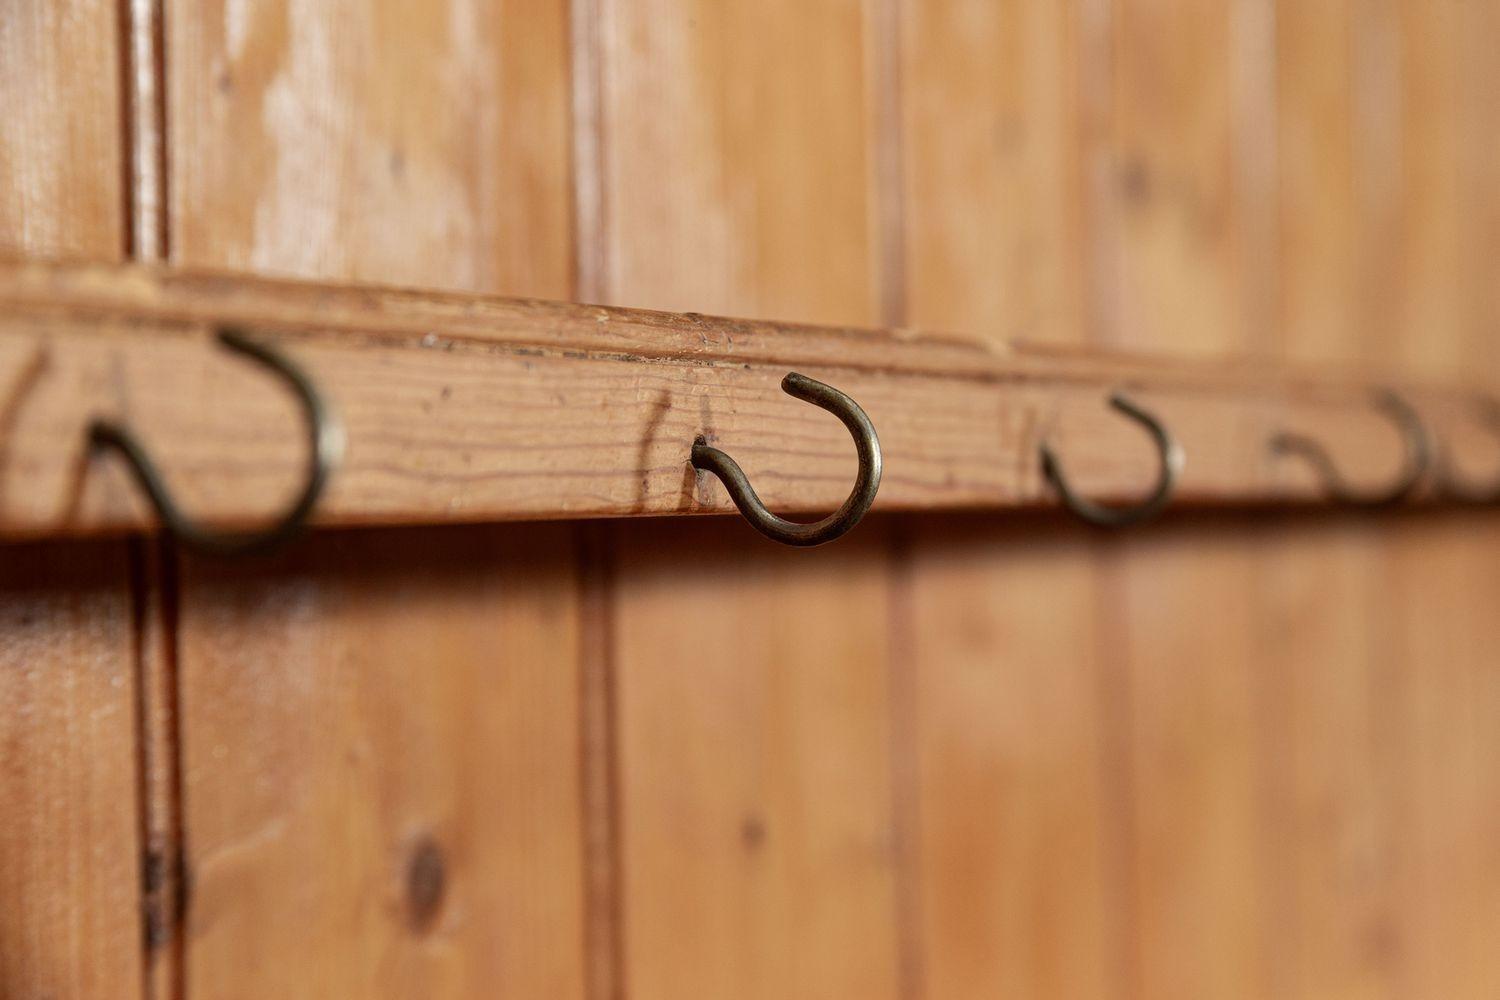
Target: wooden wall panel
[
  {"x": 1013, "y": 822},
  {"x": 1016, "y": 845},
  {"x": 1180, "y": 215},
  {"x": 61, "y": 145},
  {"x": 1183, "y": 214},
  {"x": 373, "y": 691},
  {"x": 1443, "y": 723},
  {"x": 70, "y": 853},
  {"x": 1326, "y": 668},
  {"x": 380, "y": 768},
  {"x": 736, "y": 161},
  {"x": 736, "y": 173},
  {"x": 1185, "y": 636},
  {"x": 992, "y": 137},
  {"x": 754, "y": 766},
  {"x": 70, "y": 850},
  {"x": 417, "y": 144}
]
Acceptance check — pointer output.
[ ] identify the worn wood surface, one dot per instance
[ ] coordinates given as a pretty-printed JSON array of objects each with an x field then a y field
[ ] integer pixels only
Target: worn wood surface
[
  {"x": 426, "y": 144},
  {"x": 70, "y": 861},
  {"x": 987, "y": 753},
  {"x": 380, "y": 744},
  {"x": 426, "y": 817},
  {"x": 61, "y": 146},
  {"x": 574, "y": 431}
]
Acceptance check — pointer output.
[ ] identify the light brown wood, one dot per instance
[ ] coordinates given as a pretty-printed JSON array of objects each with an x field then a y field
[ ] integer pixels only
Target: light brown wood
[
  {"x": 1020, "y": 890},
  {"x": 425, "y": 144},
  {"x": 61, "y": 152},
  {"x": 437, "y": 701},
  {"x": 446, "y": 425},
  {"x": 736, "y": 160},
  {"x": 347, "y": 705},
  {"x": 1185, "y": 637},
  {"x": 70, "y": 855},
  {"x": 1441, "y": 722},
  {"x": 1328, "y": 671},
  {"x": 755, "y": 774},
  {"x": 992, "y": 139}
]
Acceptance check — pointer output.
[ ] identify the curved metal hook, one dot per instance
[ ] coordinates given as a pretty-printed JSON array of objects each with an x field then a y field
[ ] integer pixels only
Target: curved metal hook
[
  {"x": 1414, "y": 438},
  {"x": 1451, "y": 482},
  {"x": 325, "y": 448},
  {"x": 1170, "y": 457},
  {"x": 711, "y": 459}
]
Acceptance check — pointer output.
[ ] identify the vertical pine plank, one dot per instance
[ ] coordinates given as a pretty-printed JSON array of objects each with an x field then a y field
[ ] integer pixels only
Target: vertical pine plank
[
  {"x": 1326, "y": 643},
  {"x": 380, "y": 768},
  {"x": 1012, "y": 825},
  {"x": 70, "y": 851},
  {"x": 754, "y": 764},
  {"x": 61, "y": 155},
  {"x": 1181, "y": 214},
  {"x": 1324, "y": 666},
  {"x": 1443, "y": 569},
  {"x": 737, "y": 173},
  {"x": 420, "y": 144},
  {"x": 1186, "y": 637},
  {"x": 1014, "y": 821},
  {"x": 992, "y": 128},
  {"x": 737, "y": 162},
  {"x": 69, "y": 845},
  {"x": 1185, "y": 201},
  {"x": 1443, "y": 719}
]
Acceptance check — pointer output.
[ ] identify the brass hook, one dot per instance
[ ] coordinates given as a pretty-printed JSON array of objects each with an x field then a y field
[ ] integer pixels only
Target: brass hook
[
  {"x": 1414, "y": 438},
  {"x": 1451, "y": 482},
  {"x": 1170, "y": 463},
  {"x": 325, "y": 441},
  {"x": 710, "y": 459}
]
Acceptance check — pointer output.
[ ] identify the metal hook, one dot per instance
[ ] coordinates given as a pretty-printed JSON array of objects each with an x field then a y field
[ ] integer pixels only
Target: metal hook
[
  {"x": 710, "y": 459},
  {"x": 1169, "y": 467},
  {"x": 1414, "y": 438},
  {"x": 325, "y": 448},
  {"x": 1451, "y": 482}
]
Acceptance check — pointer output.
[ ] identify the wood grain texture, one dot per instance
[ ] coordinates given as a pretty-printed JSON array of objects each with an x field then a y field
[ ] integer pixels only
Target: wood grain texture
[
  {"x": 1184, "y": 210},
  {"x": 380, "y": 754},
  {"x": 1327, "y": 675},
  {"x": 1015, "y": 836},
  {"x": 69, "y": 846},
  {"x": 754, "y": 762},
  {"x": 424, "y": 144},
  {"x": 736, "y": 160},
  {"x": 61, "y": 152},
  {"x": 1185, "y": 637},
  {"x": 993, "y": 141},
  {"x": 1442, "y": 715},
  {"x": 566, "y": 411}
]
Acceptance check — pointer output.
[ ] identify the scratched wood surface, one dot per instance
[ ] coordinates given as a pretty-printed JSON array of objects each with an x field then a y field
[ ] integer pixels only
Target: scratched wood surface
[{"x": 563, "y": 386}]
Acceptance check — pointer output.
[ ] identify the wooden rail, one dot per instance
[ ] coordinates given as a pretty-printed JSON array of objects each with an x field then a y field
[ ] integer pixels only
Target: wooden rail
[{"x": 466, "y": 408}]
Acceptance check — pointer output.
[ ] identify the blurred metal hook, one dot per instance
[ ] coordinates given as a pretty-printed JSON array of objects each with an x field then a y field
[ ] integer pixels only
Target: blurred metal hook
[
  {"x": 710, "y": 459},
  {"x": 325, "y": 448},
  {"x": 1414, "y": 438},
  {"x": 1170, "y": 463},
  {"x": 1451, "y": 483}
]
